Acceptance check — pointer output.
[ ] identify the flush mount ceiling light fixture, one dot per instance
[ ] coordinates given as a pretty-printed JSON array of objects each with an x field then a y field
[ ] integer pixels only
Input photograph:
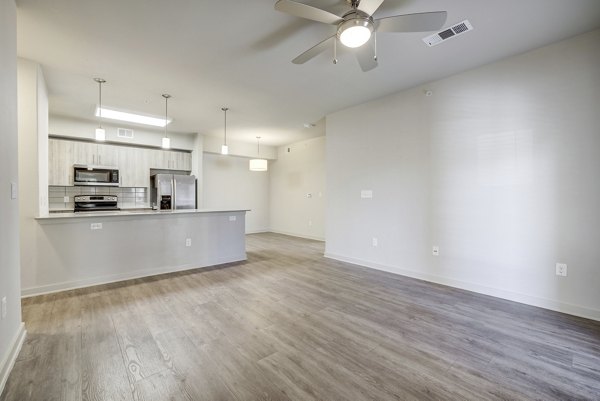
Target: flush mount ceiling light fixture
[
  {"x": 131, "y": 117},
  {"x": 100, "y": 132},
  {"x": 258, "y": 164},
  {"x": 224, "y": 147},
  {"x": 166, "y": 141}
]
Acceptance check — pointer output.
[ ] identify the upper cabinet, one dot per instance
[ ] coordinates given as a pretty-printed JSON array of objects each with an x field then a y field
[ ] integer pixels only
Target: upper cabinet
[
  {"x": 60, "y": 162},
  {"x": 134, "y": 163},
  {"x": 171, "y": 160}
]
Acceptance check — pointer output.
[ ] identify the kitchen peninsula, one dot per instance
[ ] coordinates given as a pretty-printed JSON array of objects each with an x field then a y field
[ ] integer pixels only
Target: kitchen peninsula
[{"x": 75, "y": 250}]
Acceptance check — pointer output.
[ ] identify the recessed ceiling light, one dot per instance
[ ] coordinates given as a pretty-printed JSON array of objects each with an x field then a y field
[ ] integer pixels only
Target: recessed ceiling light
[{"x": 132, "y": 117}]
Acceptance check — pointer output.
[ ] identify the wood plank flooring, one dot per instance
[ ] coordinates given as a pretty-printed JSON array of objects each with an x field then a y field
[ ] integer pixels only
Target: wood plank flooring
[{"x": 288, "y": 324}]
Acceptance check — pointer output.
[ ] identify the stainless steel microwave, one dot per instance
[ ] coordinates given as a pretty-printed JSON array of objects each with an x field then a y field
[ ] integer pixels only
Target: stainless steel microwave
[{"x": 95, "y": 175}]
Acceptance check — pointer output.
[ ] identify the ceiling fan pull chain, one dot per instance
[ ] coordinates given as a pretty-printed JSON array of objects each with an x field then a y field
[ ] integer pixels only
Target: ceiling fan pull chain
[
  {"x": 375, "y": 45},
  {"x": 335, "y": 51}
]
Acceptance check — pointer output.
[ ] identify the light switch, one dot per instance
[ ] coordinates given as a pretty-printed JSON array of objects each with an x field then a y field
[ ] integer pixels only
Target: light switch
[
  {"x": 366, "y": 194},
  {"x": 232, "y": 218},
  {"x": 13, "y": 190}
]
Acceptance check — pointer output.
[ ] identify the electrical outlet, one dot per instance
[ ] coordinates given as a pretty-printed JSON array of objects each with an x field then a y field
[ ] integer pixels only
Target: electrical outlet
[
  {"x": 561, "y": 269},
  {"x": 232, "y": 218},
  {"x": 3, "y": 307},
  {"x": 375, "y": 242},
  {"x": 188, "y": 242},
  {"x": 435, "y": 250},
  {"x": 13, "y": 190},
  {"x": 96, "y": 226}
]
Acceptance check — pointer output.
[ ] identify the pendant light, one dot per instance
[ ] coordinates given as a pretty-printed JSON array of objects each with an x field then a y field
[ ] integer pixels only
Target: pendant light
[
  {"x": 100, "y": 132},
  {"x": 224, "y": 147},
  {"x": 258, "y": 164},
  {"x": 166, "y": 141}
]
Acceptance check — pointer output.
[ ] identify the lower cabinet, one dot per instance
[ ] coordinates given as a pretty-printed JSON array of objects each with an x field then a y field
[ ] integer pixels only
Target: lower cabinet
[{"x": 134, "y": 163}]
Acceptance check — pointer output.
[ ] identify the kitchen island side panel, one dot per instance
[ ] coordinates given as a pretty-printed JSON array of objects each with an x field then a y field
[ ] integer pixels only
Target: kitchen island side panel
[{"x": 70, "y": 254}]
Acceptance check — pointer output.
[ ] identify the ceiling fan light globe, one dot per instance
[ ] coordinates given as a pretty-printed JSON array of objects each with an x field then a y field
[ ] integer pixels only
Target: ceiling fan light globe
[{"x": 355, "y": 32}]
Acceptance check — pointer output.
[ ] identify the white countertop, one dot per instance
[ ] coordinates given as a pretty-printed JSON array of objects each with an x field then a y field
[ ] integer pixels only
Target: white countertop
[{"x": 132, "y": 212}]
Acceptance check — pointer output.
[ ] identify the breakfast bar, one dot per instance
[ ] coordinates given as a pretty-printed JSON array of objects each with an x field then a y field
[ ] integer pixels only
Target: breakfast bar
[{"x": 75, "y": 250}]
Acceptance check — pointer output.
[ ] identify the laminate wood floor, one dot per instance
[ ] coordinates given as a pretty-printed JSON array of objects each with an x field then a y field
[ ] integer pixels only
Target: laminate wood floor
[{"x": 288, "y": 324}]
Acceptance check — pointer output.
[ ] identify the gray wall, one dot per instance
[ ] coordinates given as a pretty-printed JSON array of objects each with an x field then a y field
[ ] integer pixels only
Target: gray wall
[
  {"x": 9, "y": 211},
  {"x": 228, "y": 184},
  {"x": 297, "y": 195},
  {"x": 499, "y": 168},
  {"x": 70, "y": 254}
]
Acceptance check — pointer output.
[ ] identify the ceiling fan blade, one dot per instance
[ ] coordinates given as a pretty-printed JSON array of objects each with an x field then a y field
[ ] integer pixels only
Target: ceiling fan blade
[
  {"x": 369, "y": 6},
  {"x": 306, "y": 11},
  {"x": 366, "y": 56},
  {"x": 314, "y": 51},
  {"x": 420, "y": 22}
]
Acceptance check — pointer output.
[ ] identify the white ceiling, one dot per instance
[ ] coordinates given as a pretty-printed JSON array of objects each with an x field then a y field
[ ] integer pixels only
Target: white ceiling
[{"x": 237, "y": 53}]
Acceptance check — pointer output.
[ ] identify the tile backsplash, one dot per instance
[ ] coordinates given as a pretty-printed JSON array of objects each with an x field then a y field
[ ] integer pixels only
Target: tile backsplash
[{"x": 61, "y": 198}]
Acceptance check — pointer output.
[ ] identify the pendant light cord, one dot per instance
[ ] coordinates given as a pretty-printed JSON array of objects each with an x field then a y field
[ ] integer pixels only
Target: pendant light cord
[
  {"x": 166, "y": 96},
  {"x": 225, "y": 136},
  {"x": 100, "y": 82}
]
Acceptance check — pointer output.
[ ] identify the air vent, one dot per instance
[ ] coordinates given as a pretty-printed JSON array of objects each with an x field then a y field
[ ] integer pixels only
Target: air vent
[
  {"x": 448, "y": 33},
  {"x": 125, "y": 133}
]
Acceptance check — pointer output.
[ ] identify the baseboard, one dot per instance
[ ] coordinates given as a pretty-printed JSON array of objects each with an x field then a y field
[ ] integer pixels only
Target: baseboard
[
  {"x": 259, "y": 231},
  {"x": 13, "y": 352},
  {"x": 545, "y": 303},
  {"x": 113, "y": 278},
  {"x": 297, "y": 235}
]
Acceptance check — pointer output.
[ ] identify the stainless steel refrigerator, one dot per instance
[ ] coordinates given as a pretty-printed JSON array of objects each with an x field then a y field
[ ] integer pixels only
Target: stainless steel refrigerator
[{"x": 173, "y": 191}]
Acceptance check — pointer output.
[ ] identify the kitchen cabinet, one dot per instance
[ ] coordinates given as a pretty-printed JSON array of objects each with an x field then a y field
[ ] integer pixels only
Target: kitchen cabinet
[
  {"x": 134, "y": 163},
  {"x": 171, "y": 160},
  {"x": 134, "y": 166},
  {"x": 60, "y": 162},
  {"x": 94, "y": 153}
]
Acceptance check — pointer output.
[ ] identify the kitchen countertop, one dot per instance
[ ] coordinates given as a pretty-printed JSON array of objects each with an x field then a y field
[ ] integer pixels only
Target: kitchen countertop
[{"x": 132, "y": 212}]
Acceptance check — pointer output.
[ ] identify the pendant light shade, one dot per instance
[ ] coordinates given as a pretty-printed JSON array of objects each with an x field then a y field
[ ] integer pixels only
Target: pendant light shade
[
  {"x": 224, "y": 147},
  {"x": 100, "y": 134},
  {"x": 258, "y": 164},
  {"x": 166, "y": 141}
]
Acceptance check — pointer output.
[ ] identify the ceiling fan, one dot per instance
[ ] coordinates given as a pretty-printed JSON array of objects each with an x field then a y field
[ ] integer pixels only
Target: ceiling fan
[{"x": 356, "y": 27}]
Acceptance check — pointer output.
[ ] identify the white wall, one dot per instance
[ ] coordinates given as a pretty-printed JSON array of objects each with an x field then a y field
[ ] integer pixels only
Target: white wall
[
  {"x": 70, "y": 127},
  {"x": 499, "y": 168},
  {"x": 228, "y": 184},
  {"x": 297, "y": 195},
  {"x": 245, "y": 149},
  {"x": 33, "y": 158},
  {"x": 11, "y": 328}
]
